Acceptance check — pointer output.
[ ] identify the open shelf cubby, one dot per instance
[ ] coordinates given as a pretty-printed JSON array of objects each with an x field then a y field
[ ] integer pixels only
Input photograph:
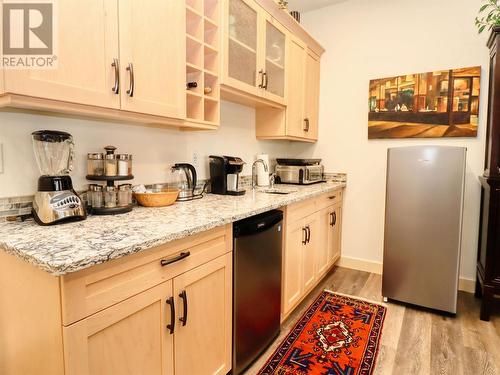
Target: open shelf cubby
[
  {"x": 194, "y": 106},
  {"x": 196, "y": 5},
  {"x": 194, "y": 24},
  {"x": 202, "y": 60},
  {"x": 211, "y": 9}
]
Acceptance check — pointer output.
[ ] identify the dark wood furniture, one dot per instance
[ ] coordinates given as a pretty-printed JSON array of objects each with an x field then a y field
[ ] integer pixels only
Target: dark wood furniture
[{"x": 488, "y": 259}]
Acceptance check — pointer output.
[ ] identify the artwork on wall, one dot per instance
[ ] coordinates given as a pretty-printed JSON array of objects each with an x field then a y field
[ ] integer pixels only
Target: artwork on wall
[{"x": 426, "y": 105}]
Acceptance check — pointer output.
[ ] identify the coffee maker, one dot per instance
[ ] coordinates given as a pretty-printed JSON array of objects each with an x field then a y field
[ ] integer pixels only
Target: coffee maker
[
  {"x": 55, "y": 201},
  {"x": 225, "y": 175}
]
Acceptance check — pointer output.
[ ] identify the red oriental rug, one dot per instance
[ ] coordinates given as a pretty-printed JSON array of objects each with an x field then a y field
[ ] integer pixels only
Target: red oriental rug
[{"x": 337, "y": 335}]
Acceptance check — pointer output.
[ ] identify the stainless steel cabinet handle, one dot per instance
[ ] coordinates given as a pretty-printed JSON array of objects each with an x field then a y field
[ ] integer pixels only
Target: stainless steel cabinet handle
[
  {"x": 306, "y": 125},
  {"x": 266, "y": 80},
  {"x": 171, "y": 326},
  {"x": 116, "y": 67},
  {"x": 261, "y": 73},
  {"x": 184, "y": 298},
  {"x": 130, "y": 69}
]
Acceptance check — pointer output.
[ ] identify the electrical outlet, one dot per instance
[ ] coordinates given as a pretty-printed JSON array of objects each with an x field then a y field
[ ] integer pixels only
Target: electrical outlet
[
  {"x": 195, "y": 159},
  {"x": 1, "y": 159}
]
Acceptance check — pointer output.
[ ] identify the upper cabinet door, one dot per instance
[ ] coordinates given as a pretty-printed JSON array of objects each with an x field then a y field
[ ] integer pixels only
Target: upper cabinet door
[
  {"x": 241, "y": 41},
  {"x": 275, "y": 59},
  {"x": 87, "y": 44},
  {"x": 296, "y": 83},
  {"x": 311, "y": 100},
  {"x": 203, "y": 334},
  {"x": 152, "y": 56}
]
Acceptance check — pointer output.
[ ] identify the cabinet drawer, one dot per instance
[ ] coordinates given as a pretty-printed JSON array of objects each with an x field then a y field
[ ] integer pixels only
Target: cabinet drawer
[
  {"x": 329, "y": 199},
  {"x": 300, "y": 210},
  {"x": 91, "y": 290}
]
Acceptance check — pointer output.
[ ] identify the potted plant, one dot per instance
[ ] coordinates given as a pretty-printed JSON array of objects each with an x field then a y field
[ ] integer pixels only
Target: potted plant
[{"x": 489, "y": 15}]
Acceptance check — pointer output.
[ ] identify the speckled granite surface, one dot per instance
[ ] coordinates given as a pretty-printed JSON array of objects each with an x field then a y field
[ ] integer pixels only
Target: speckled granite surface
[{"x": 72, "y": 247}]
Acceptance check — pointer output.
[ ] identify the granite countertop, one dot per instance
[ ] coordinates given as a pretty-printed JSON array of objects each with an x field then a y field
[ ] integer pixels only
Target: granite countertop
[{"x": 71, "y": 247}]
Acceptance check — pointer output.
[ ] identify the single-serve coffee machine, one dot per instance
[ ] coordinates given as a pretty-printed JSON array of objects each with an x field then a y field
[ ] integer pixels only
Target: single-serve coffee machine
[{"x": 225, "y": 175}]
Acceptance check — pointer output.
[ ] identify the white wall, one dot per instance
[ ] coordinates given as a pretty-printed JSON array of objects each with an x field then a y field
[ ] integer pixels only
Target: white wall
[
  {"x": 368, "y": 39},
  {"x": 153, "y": 149}
]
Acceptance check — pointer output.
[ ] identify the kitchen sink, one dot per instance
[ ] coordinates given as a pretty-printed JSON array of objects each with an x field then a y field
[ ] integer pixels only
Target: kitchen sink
[{"x": 278, "y": 191}]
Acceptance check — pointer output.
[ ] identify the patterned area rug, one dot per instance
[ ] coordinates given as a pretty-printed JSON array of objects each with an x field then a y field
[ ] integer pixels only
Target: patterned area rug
[{"x": 337, "y": 335}]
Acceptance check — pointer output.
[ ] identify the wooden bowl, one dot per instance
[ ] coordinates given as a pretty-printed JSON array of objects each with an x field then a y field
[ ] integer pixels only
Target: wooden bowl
[{"x": 166, "y": 197}]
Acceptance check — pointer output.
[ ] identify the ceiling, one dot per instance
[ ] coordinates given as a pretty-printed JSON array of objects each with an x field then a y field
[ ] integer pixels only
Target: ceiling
[{"x": 307, "y": 5}]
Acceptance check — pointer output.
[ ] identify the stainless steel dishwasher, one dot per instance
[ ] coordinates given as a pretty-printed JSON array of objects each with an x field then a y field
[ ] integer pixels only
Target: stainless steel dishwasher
[{"x": 256, "y": 286}]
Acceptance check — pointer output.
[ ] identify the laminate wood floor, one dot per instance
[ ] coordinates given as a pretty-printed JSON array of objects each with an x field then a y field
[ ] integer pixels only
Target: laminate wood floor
[{"x": 415, "y": 341}]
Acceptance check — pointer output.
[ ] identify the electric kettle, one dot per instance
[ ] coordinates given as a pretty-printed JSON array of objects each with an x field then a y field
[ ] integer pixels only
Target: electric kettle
[{"x": 184, "y": 178}]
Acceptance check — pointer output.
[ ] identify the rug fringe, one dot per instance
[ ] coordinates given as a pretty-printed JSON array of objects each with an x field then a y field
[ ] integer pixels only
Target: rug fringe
[{"x": 383, "y": 304}]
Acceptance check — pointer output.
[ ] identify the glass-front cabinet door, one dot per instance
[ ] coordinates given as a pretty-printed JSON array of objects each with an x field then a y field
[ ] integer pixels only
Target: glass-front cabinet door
[
  {"x": 242, "y": 45},
  {"x": 273, "y": 80}
]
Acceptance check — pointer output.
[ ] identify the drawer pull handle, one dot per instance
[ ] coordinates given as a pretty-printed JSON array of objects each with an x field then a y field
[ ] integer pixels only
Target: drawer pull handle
[
  {"x": 332, "y": 197},
  {"x": 304, "y": 235},
  {"x": 184, "y": 298},
  {"x": 171, "y": 326},
  {"x": 181, "y": 256},
  {"x": 308, "y": 234}
]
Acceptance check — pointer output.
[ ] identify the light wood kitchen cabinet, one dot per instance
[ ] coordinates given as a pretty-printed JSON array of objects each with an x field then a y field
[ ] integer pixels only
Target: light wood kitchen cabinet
[
  {"x": 312, "y": 246},
  {"x": 299, "y": 121},
  {"x": 292, "y": 265},
  {"x": 303, "y": 238},
  {"x": 128, "y": 338},
  {"x": 311, "y": 95},
  {"x": 152, "y": 65},
  {"x": 204, "y": 299},
  {"x": 255, "y": 52},
  {"x": 87, "y": 48},
  {"x": 241, "y": 33},
  {"x": 309, "y": 254},
  {"x": 167, "y": 310},
  {"x": 275, "y": 63},
  {"x": 296, "y": 83}
]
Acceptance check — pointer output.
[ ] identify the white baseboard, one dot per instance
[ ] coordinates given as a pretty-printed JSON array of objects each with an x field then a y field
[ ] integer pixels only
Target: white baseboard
[{"x": 464, "y": 284}]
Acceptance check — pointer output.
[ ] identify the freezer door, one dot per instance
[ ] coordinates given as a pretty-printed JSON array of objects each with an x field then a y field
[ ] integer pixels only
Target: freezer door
[{"x": 423, "y": 224}]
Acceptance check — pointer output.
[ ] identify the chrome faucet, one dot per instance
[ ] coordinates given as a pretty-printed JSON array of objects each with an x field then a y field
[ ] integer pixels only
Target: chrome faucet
[{"x": 254, "y": 171}]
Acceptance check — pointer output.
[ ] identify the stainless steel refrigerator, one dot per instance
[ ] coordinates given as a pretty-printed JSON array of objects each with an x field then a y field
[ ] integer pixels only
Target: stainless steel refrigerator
[{"x": 423, "y": 225}]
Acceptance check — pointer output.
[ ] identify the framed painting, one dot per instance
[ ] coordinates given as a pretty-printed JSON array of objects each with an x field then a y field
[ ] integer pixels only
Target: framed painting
[{"x": 436, "y": 104}]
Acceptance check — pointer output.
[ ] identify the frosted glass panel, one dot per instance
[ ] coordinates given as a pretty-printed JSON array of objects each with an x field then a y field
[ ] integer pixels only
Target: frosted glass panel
[
  {"x": 243, "y": 23},
  {"x": 275, "y": 60},
  {"x": 242, "y": 63},
  {"x": 275, "y": 44}
]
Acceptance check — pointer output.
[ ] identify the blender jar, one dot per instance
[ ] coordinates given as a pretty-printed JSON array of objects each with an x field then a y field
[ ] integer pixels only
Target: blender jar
[{"x": 53, "y": 152}]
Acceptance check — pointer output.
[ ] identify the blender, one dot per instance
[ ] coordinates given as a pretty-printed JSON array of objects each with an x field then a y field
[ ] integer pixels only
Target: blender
[{"x": 55, "y": 201}]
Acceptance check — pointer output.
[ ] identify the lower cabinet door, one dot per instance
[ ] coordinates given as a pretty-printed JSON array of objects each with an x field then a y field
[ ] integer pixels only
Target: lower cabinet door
[
  {"x": 130, "y": 337},
  {"x": 292, "y": 266},
  {"x": 335, "y": 240},
  {"x": 323, "y": 253},
  {"x": 311, "y": 224},
  {"x": 203, "y": 331}
]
